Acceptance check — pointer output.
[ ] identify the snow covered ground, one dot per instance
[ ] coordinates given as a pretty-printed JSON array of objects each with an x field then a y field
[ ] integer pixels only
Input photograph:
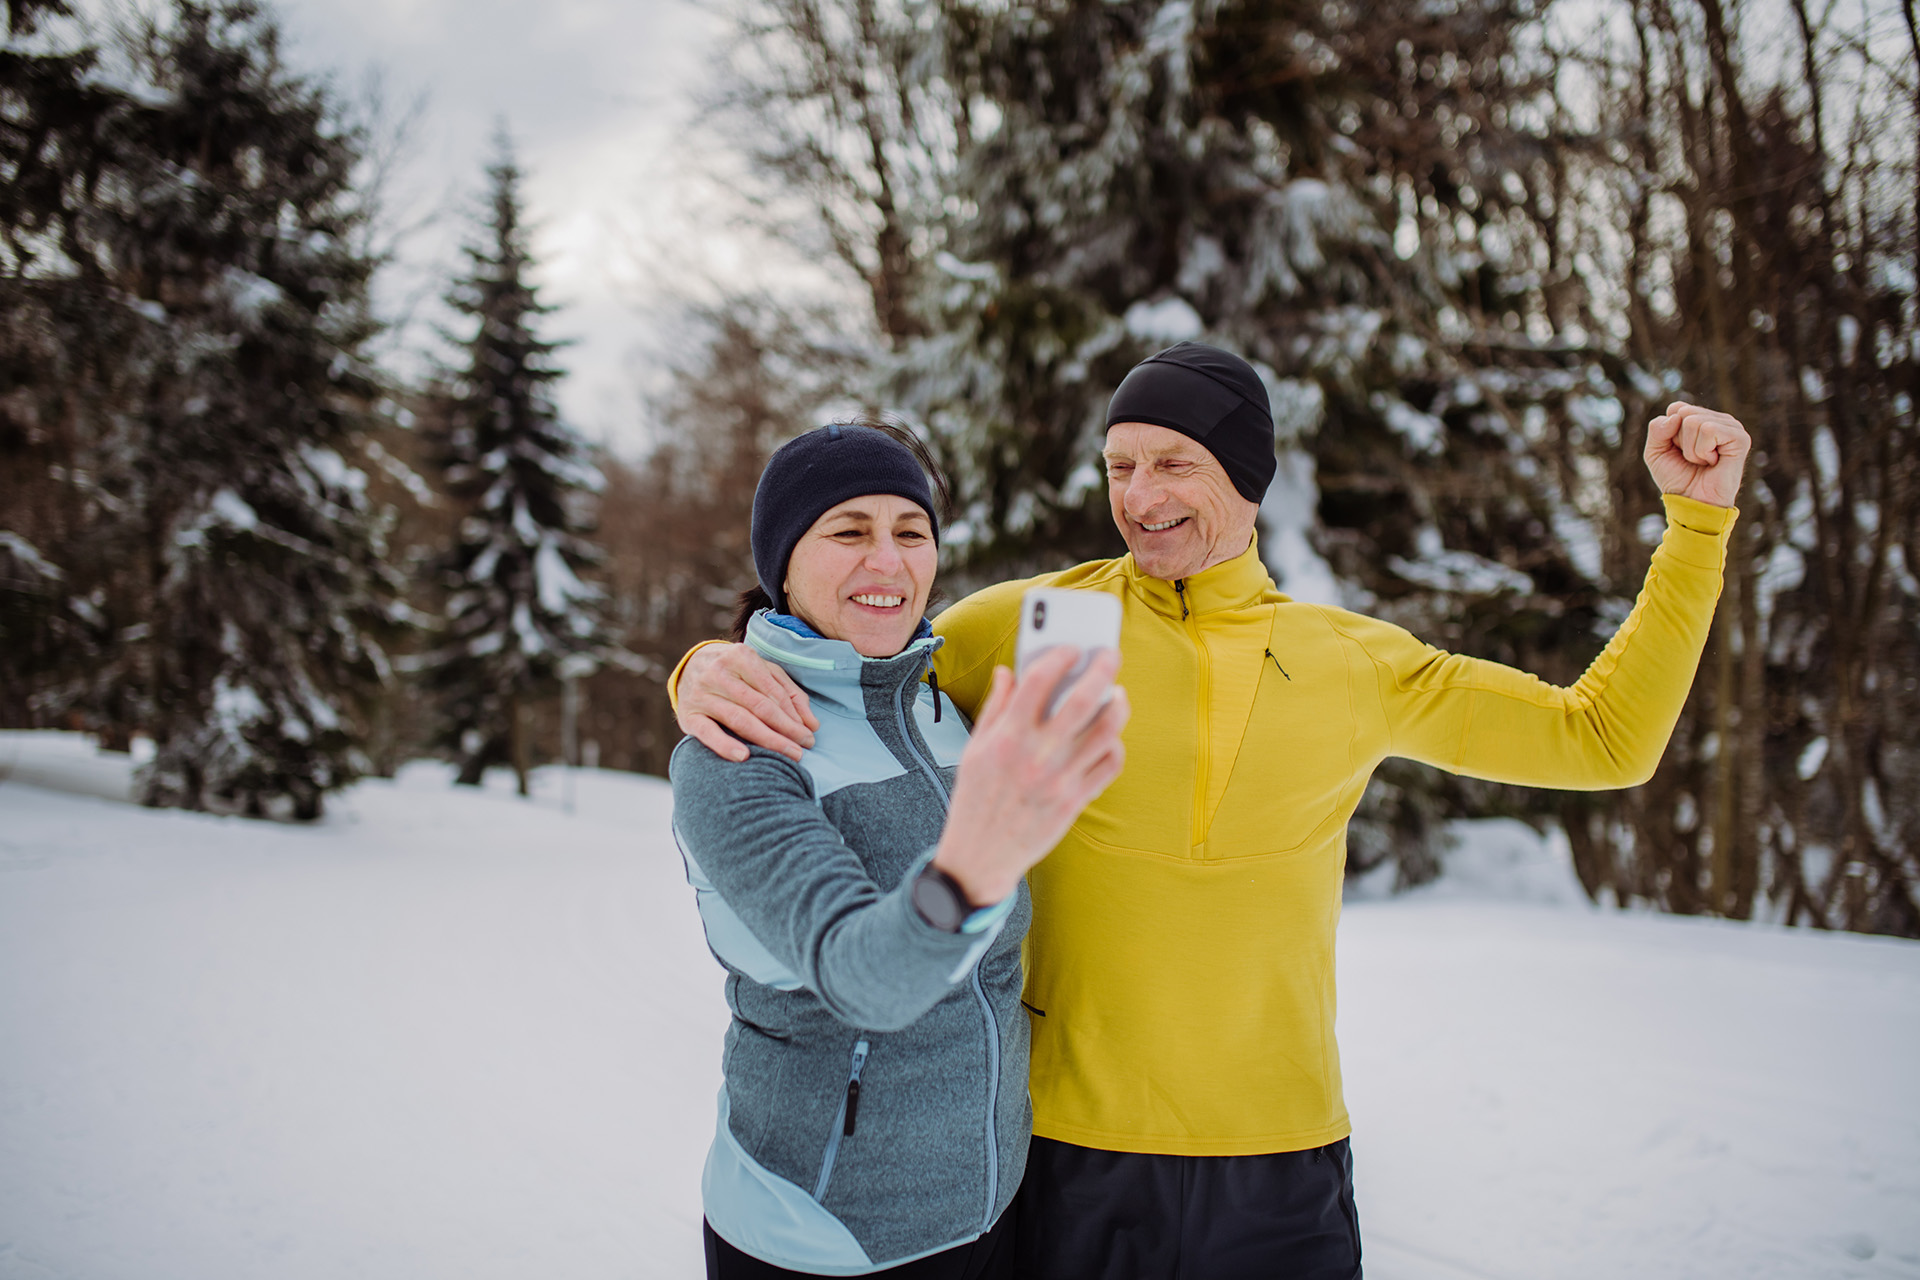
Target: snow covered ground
[{"x": 450, "y": 1033}]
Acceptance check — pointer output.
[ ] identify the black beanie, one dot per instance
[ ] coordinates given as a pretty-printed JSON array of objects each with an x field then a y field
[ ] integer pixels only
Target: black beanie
[
  {"x": 1211, "y": 395},
  {"x": 809, "y": 475}
]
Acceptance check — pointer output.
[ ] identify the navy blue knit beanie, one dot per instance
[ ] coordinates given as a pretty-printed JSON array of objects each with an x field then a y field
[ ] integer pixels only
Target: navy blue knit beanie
[
  {"x": 1212, "y": 396},
  {"x": 811, "y": 474}
]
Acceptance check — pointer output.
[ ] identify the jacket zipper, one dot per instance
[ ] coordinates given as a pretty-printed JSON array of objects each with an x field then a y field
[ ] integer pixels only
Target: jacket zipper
[
  {"x": 993, "y": 1098},
  {"x": 842, "y": 1120},
  {"x": 1203, "y": 698},
  {"x": 906, "y": 734}
]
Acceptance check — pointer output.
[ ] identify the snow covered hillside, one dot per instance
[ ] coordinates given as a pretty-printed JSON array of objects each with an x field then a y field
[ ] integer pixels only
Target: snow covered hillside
[{"x": 453, "y": 1034}]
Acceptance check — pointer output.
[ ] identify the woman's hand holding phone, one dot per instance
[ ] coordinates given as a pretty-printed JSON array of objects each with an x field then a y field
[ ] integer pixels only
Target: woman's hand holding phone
[{"x": 1044, "y": 745}]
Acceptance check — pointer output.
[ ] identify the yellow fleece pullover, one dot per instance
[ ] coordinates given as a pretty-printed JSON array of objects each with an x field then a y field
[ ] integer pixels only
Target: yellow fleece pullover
[{"x": 1181, "y": 959}]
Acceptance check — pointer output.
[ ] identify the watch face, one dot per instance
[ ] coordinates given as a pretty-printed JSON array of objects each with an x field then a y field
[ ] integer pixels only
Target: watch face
[{"x": 938, "y": 902}]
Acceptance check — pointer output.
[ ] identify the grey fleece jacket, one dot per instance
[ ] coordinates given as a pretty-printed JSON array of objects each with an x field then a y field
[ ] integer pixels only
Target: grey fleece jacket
[{"x": 875, "y": 1101}]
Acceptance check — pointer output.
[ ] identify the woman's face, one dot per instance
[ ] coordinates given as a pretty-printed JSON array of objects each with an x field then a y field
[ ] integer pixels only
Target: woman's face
[{"x": 862, "y": 573}]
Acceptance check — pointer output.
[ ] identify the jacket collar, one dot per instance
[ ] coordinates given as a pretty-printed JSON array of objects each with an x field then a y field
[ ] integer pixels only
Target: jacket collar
[
  {"x": 834, "y": 669},
  {"x": 1227, "y": 585}
]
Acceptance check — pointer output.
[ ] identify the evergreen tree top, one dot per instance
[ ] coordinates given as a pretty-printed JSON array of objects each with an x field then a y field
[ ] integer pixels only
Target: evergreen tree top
[{"x": 495, "y": 290}]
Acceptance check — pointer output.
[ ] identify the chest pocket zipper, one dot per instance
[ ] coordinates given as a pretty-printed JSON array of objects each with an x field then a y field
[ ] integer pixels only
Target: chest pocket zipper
[{"x": 843, "y": 1120}]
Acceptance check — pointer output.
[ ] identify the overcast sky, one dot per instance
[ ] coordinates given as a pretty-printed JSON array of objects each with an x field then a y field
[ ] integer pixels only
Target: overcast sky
[{"x": 597, "y": 94}]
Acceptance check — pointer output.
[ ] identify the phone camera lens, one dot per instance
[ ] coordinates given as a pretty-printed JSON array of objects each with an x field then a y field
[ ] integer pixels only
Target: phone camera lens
[{"x": 1039, "y": 614}]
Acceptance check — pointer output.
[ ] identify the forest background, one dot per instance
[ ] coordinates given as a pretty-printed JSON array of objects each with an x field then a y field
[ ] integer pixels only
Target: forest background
[{"x": 1471, "y": 246}]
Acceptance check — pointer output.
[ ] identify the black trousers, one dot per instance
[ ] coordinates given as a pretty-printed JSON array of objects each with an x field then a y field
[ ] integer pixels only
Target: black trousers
[
  {"x": 988, "y": 1258},
  {"x": 1114, "y": 1215}
]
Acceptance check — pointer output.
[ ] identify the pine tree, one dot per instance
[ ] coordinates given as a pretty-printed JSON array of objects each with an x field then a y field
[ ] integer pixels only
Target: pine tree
[
  {"x": 56, "y": 119},
  {"x": 516, "y": 606},
  {"x": 245, "y": 229},
  {"x": 202, "y": 291}
]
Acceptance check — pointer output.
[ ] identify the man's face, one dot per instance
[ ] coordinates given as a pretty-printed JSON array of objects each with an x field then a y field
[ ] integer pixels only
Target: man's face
[{"x": 1173, "y": 502}]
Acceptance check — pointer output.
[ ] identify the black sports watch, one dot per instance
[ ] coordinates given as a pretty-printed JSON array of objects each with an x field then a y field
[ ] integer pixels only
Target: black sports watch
[{"x": 939, "y": 899}]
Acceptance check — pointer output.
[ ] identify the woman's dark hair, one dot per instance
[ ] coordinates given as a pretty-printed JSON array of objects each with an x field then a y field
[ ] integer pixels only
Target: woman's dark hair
[
  {"x": 755, "y": 597},
  {"x": 752, "y": 601}
]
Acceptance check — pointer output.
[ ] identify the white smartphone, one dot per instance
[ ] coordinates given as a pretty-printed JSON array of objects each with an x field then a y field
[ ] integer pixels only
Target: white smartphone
[{"x": 1050, "y": 616}]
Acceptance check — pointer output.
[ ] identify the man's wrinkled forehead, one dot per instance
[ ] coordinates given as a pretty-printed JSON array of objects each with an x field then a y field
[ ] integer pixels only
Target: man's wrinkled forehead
[{"x": 1143, "y": 441}]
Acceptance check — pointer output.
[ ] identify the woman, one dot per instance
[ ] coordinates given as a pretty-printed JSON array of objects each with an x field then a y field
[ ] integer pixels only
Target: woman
[{"x": 867, "y": 900}]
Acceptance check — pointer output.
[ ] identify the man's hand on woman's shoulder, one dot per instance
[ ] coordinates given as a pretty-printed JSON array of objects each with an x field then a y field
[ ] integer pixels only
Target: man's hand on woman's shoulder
[{"x": 727, "y": 693}]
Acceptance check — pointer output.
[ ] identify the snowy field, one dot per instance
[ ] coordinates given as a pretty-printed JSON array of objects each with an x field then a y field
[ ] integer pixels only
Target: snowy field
[{"x": 455, "y": 1034}]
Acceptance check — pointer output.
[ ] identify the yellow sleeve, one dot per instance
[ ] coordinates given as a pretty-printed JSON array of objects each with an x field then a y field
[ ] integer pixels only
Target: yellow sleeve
[
  {"x": 1610, "y": 728},
  {"x": 673, "y": 681},
  {"x": 979, "y": 632}
]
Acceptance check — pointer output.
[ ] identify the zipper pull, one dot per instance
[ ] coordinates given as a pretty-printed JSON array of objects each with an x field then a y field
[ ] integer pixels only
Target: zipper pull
[
  {"x": 1180, "y": 589},
  {"x": 933, "y": 682},
  {"x": 1277, "y": 667},
  {"x": 853, "y": 1087}
]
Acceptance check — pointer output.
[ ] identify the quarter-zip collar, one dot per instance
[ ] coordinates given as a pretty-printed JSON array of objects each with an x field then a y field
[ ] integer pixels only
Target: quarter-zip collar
[
  {"x": 833, "y": 671},
  {"x": 1230, "y": 584}
]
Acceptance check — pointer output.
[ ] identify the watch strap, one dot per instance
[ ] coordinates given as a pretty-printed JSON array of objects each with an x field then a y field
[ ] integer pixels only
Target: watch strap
[{"x": 985, "y": 918}]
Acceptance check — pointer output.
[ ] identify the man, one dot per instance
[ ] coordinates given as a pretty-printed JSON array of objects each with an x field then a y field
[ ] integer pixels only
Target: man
[{"x": 1188, "y": 1117}]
